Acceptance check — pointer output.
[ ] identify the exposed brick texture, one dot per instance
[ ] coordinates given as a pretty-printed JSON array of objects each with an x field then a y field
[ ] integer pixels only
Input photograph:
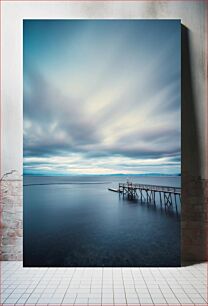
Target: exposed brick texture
[
  {"x": 11, "y": 221},
  {"x": 194, "y": 220}
]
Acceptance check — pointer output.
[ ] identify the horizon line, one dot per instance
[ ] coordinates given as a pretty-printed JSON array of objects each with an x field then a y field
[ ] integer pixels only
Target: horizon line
[{"x": 116, "y": 174}]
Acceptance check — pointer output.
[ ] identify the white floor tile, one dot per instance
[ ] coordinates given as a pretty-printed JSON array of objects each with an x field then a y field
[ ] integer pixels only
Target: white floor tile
[
  {"x": 121, "y": 295},
  {"x": 188, "y": 285},
  {"x": 11, "y": 301},
  {"x": 147, "y": 301},
  {"x": 107, "y": 298},
  {"x": 196, "y": 298},
  {"x": 54, "y": 300},
  {"x": 32, "y": 300},
  {"x": 172, "y": 300},
  {"x": 119, "y": 301},
  {"x": 132, "y": 300},
  {"x": 131, "y": 295},
  {"x": 69, "y": 300},
  {"x": 159, "y": 301},
  {"x": 94, "y": 301},
  {"x": 184, "y": 300}
]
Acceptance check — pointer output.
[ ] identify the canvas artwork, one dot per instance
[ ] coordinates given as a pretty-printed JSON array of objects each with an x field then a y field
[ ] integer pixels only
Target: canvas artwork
[{"x": 102, "y": 143}]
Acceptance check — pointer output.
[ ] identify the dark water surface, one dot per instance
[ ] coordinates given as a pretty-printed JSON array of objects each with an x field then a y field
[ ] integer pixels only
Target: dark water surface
[{"x": 76, "y": 221}]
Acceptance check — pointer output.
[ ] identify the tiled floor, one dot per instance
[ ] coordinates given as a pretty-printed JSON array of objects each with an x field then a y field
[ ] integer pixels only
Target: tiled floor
[{"x": 106, "y": 286}]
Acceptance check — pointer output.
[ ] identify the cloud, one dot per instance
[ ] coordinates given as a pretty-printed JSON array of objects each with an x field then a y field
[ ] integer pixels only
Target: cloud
[
  {"x": 53, "y": 123},
  {"x": 110, "y": 105}
]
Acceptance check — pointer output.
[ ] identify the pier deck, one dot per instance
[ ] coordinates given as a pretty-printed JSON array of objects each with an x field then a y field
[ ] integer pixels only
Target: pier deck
[{"x": 147, "y": 193}]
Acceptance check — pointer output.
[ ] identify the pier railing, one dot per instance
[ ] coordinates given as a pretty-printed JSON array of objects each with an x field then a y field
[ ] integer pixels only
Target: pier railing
[
  {"x": 147, "y": 193},
  {"x": 158, "y": 188}
]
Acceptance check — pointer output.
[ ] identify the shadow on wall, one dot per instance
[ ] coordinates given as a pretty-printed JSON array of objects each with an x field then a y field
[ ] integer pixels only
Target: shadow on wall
[{"x": 194, "y": 206}]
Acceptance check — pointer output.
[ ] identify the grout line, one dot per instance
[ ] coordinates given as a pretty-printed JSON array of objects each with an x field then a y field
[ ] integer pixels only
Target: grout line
[{"x": 17, "y": 277}]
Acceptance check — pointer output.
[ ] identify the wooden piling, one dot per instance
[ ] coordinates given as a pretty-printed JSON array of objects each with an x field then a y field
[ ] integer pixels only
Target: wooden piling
[{"x": 166, "y": 193}]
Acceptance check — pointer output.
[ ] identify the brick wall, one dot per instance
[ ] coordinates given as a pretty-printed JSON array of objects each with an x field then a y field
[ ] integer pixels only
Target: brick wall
[
  {"x": 11, "y": 220},
  {"x": 194, "y": 220}
]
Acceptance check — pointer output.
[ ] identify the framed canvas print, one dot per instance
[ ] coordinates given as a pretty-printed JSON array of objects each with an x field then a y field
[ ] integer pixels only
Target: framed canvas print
[{"x": 102, "y": 142}]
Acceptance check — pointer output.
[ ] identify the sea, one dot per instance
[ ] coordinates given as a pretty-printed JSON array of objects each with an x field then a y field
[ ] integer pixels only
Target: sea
[{"x": 75, "y": 221}]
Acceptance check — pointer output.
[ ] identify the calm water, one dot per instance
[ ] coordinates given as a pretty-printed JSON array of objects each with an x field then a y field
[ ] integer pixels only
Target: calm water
[{"x": 81, "y": 223}]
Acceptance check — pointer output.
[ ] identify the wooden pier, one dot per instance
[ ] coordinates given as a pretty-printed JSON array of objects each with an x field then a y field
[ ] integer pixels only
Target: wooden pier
[{"x": 168, "y": 196}]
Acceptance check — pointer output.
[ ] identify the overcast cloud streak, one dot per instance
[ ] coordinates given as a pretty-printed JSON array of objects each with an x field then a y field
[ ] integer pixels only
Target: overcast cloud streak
[{"x": 102, "y": 96}]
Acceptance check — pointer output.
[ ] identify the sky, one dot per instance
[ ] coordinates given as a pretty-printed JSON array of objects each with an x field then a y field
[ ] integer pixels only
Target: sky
[{"x": 102, "y": 97}]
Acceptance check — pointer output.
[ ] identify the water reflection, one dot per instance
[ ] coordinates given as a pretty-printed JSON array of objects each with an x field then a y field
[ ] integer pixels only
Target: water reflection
[
  {"x": 87, "y": 225},
  {"x": 169, "y": 211}
]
